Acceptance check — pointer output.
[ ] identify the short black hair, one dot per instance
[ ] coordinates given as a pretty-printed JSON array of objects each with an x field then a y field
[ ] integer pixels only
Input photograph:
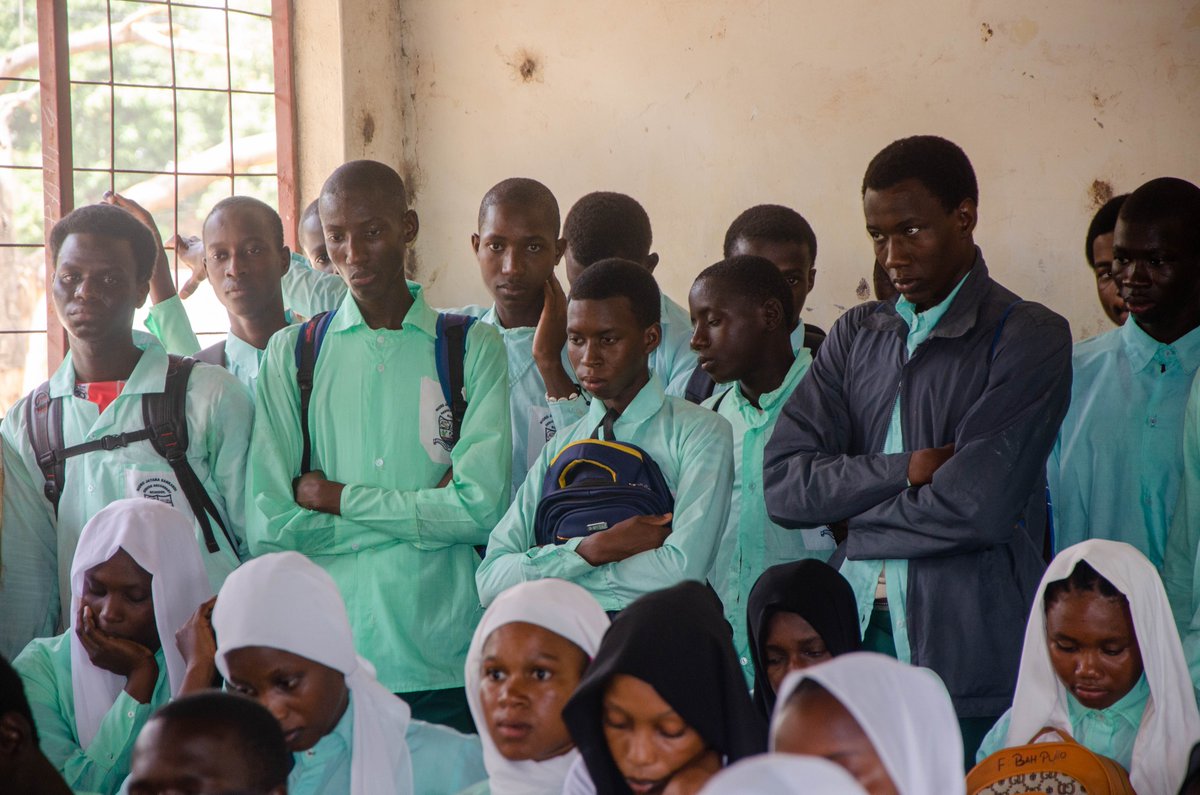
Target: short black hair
[
  {"x": 237, "y": 204},
  {"x": 311, "y": 210},
  {"x": 1083, "y": 578},
  {"x": 1166, "y": 198},
  {"x": 1103, "y": 223},
  {"x": 12, "y": 695},
  {"x": 252, "y": 728},
  {"x": 112, "y": 222},
  {"x": 606, "y": 225},
  {"x": 621, "y": 278},
  {"x": 367, "y": 176},
  {"x": 523, "y": 192},
  {"x": 773, "y": 223},
  {"x": 940, "y": 165},
  {"x": 753, "y": 278}
]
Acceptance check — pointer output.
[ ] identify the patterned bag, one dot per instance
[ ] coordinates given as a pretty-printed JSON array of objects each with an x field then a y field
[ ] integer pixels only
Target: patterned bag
[{"x": 1050, "y": 768}]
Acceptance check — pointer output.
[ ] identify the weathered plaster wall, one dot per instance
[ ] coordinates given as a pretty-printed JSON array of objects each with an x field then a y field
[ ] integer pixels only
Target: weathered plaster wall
[{"x": 700, "y": 108}]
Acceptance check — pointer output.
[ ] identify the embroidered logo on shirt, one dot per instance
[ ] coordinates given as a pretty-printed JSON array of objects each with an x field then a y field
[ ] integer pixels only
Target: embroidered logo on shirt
[
  {"x": 161, "y": 489},
  {"x": 435, "y": 424}
]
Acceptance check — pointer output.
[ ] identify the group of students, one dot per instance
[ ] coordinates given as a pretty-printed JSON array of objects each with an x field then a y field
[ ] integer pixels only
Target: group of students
[{"x": 432, "y": 576}]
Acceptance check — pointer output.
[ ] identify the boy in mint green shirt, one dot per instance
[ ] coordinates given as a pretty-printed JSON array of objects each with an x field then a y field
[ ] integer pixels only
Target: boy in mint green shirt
[
  {"x": 742, "y": 317},
  {"x": 612, "y": 327},
  {"x": 391, "y": 509}
]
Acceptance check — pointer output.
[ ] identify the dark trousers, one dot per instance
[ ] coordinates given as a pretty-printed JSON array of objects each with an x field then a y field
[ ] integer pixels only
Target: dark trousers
[{"x": 447, "y": 707}]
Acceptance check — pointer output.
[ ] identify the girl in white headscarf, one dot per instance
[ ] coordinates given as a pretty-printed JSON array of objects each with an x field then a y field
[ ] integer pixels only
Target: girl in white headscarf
[
  {"x": 528, "y": 654},
  {"x": 136, "y": 578},
  {"x": 1102, "y": 661},
  {"x": 891, "y": 725},
  {"x": 283, "y": 638},
  {"x": 783, "y": 774}
]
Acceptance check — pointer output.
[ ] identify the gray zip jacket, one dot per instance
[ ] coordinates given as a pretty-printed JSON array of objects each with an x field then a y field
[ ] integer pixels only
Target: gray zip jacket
[{"x": 994, "y": 378}]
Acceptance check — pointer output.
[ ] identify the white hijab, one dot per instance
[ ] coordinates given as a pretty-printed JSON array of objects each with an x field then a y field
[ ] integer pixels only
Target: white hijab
[
  {"x": 783, "y": 774},
  {"x": 905, "y": 712},
  {"x": 160, "y": 540},
  {"x": 563, "y": 608},
  {"x": 285, "y": 601},
  {"x": 1171, "y": 724}
]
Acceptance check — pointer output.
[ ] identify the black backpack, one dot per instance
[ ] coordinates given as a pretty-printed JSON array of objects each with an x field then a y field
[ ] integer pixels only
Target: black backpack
[
  {"x": 450, "y": 350},
  {"x": 165, "y": 417}
]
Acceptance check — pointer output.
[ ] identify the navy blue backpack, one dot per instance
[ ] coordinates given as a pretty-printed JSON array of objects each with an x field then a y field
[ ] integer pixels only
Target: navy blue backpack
[{"x": 592, "y": 484}]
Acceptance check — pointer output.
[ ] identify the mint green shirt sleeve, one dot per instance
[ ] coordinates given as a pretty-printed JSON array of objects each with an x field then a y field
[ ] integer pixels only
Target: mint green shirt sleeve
[
  {"x": 430, "y": 518},
  {"x": 1179, "y": 571},
  {"x": 994, "y": 740},
  {"x": 168, "y": 321},
  {"x": 45, "y": 670},
  {"x": 444, "y": 761},
  {"x": 695, "y": 452},
  {"x": 309, "y": 291}
]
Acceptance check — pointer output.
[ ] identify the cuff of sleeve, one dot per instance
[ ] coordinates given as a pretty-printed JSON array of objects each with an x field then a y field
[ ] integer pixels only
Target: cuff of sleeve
[
  {"x": 565, "y": 563},
  {"x": 118, "y": 730}
]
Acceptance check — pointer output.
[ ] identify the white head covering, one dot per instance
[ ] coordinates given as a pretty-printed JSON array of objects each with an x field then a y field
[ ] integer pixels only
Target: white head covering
[
  {"x": 783, "y": 774},
  {"x": 563, "y": 608},
  {"x": 905, "y": 712},
  {"x": 1171, "y": 724},
  {"x": 285, "y": 601},
  {"x": 160, "y": 540}
]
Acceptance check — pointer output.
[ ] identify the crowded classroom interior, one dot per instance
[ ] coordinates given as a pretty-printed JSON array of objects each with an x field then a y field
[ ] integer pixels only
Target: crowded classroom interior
[{"x": 405, "y": 397}]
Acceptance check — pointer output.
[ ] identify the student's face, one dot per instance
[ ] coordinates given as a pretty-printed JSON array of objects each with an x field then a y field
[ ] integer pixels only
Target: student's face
[
  {"x": 517, "y": 248},
  {"x": 924, "y": 249},
  {"x": 1157, "y": 269},
  {"x": 793, "y": 260},
  {"x": 527, "y": 675},
  {"x": 1106, "y": 286},
  {"x": 608, "y": 349},
  {"x": 791, "y": 644},
  {"x": 244, "y": 264},
  {"x": 729, "y": 331},
  {"x": 117, "y": 592},
  {"x": 170, "y": 761},
  {"x": 307, "y": 698},
  {"x": 648, "y": 740},
  {"x": 1093, "y": 648},
  {"x": 366, "y": 234},
  {"x": 814, "y": 723},
  {"x": 312, "y": 243},
  {"x": 96, "y": 288}
]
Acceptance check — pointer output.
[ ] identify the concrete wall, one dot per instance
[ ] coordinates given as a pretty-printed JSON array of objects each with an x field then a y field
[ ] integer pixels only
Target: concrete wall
[{"x": 700, "y": 108}]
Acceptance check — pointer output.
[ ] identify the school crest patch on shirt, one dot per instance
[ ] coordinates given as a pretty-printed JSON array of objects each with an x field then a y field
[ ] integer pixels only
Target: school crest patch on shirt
[
  {"x": 436, "y": 423},
  {"x": 160, "y": 486}
]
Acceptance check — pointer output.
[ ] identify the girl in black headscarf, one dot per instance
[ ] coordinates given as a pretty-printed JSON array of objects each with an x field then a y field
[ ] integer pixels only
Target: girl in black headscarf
[
  {"x": 664, "y": 700},
  {"x": 798, "y": 614}
]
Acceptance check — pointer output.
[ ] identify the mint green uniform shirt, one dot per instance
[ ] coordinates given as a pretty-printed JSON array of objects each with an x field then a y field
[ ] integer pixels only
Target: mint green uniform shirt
[
  {"x": 863, "y": 575},
  {"x": 673, "y": 359},
  {"x": 533, "y": 423},
  {"x": 694, "y": 449},
  {"x": 37, "y": 548},
  {"x": 402, "y": 550},
  {"x": 443, "y": 760},
  {"x": 1118, "y": 461},
  {"x": 168, "y": 321},
  {"x": 750, "y": 542},
  {"x": 309, "y": 291},
  {"x": 45, "y": 670},
  {"x": 1109, "y": 732}
]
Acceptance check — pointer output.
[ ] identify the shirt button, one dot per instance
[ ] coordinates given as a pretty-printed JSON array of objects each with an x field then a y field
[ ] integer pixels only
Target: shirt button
[
  {"x": 379, "y": 368},
  {"x": 378, "y": 463},
  {"x": 129, "y": 714},
  {"x": 745, "y": 661},
  {"x": 379, "y": 340},
  {"x": 91, "y": 487},
  {"x": 354, "y": 547}
]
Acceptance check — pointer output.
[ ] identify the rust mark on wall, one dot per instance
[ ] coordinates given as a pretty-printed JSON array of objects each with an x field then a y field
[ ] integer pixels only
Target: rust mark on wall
[
  {"x": 863, "y": 290},
  {"x": 1100, "y": 192},
  {"x": 368, "y": 128},
  {"x": 526, "y": 66},
  {"x": 986, "y": 32}
]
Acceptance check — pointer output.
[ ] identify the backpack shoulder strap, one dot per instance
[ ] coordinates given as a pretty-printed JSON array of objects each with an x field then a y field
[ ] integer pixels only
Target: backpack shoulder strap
[
  {"x": 308, "y": 348},
  {"x": 44, "y": 426},
  {"x": 165, "y": 415},
  {"x": 699, "y": 387},
  {"x": 451, "y": 354},
  {"x": 721, "y": 399},
  {"x": 213, "y": 354}
]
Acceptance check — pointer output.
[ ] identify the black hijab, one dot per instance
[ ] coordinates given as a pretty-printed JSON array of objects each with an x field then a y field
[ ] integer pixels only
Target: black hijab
[
  {"x": 678, "y": 641},
  {"x": 812, "y": 590}
]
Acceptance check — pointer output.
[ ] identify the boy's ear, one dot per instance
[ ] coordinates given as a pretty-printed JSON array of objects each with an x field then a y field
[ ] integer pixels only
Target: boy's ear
[
  {"x": 285, "y": 259},
  {"x": 560, "y": 249},
  {"x": 475, "y": 243},
  {"x": 771, "y": 312},
  {"x": 651, "y": 261},
  {"x": 143, "y": 293},
  {"x": 812, "y": 277},
  {"x": 966, "y": 214},
  {"x": 651, "y": 337},
  {"x": 412, "y": 225}
]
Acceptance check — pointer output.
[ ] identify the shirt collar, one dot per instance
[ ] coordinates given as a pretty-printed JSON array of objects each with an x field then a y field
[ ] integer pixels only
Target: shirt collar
[
  {"x": 419, "y": 315},
  {"x": 928, "y": 319},
  {"x": 1143, "y": 350},
  {"x": 644, "y": 405},
  {"x": 242, "y": 353},
  {"x": 149, "y": 374},
  {"x": 767, "y": 401},
  {"x": 1129, "y": 708}
]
